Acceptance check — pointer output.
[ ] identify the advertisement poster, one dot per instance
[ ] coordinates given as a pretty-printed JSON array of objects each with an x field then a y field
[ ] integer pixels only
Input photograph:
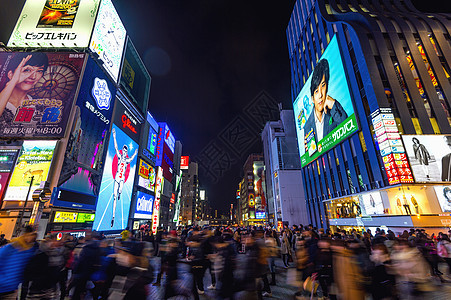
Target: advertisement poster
[
  {"x": 7, "y": 159},
  {"x": 259, "y": 185},
  {"x": 108, "y": 38},
  {"x": 65, "y": 217},
  {"x": 144, "y": 206},
  {"x": 167, "y": 163},
  {"x": 55, "y": 24},
  {"x": 323, "y": 110},
  {"x": 37, "y": 90},
  {"x": 184, "y": 163},
  {"x": 86, "y": 146},
  {"x": 371, "y": 204},
  {"x": 85, "y": 217},
  {"x": 58, "y": 14},
  {"x": 34, "y": 161},
  {"x": 429, "y": 156},
  {"x": 444, "y": 197},
  {"x": 113, "y": 204},
  {"x": 146, "y": 176},
  {"x": 126, "y": 120}
]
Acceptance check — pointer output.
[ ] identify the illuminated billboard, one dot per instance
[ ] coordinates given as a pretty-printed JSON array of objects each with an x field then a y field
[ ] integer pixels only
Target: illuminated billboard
[
  {"x": 126, "y": 120},
  {"x": 86, "y": 147},
  {"x": 371, "y": 204},
  {"x": 167, "y": 163},
  {"x": 46, "y": 83},
  {"x": 34, "y": 161},
  {"x": 54, "y": 24},
  {"x": 113, "y": 204},
  {"x": 156, "y": 211},
  {"x": 7, "y": 159},
  {"x": 108, "y": 38},
  {"x": 144, "y": 206},
  {"x": 151, "y": 130},
  {"x": 444, "y": 197},
  {"x": 259, "y": 185},
  {"x": 429, "y": 156},
  {"x": 3, "y": 183},
  {"x": 323, "y": 109},
  {"x": 85, "y": 217},
  {"x": 184, "y": 163},
  {"x": 159, "y": 149},
  {"x": 135, "y": 78},
  {"x": 146, "y": 176},
  {"x": 168, "y": 136},
  {"x": 65, "y": 217},
  {"x": 202, "y": 194}
]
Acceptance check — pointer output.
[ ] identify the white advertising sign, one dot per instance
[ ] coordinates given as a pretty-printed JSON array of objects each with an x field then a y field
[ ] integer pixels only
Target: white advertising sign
[
  {"x": 54, "y": 24},
  {"x": 108, "y": 38}
]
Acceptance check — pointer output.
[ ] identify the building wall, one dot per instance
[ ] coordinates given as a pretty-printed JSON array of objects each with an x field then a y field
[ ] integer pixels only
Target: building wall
[
  {"x": 376, "y": 38},
  {"x": 294, "y": 207}
]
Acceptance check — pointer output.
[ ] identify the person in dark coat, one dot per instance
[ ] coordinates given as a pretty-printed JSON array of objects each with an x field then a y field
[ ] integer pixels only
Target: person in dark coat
[{"x": 422, "y": 155}]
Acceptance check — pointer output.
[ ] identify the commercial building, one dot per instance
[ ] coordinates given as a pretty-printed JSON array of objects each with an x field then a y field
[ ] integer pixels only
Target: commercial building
[
  {"x": 375, "y": 151},
  {"x": 284, "y": 189},
  {"x": 189, "y": 202}
]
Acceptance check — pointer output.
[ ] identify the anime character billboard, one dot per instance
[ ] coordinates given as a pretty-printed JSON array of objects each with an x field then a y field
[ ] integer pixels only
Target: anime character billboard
[{"x": 113, "y": 204}]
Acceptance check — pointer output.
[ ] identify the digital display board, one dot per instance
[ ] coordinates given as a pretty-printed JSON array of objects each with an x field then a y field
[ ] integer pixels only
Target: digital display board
[
  {"x": 65, "y": 217},
  {"x": 260, "y": 215},
  {"x": 34, "y": 161},
  {"x": 144, "y": 206},
  {"x": 135, "y": 78},
  {"x": 47, "y": 83},
  {"x": 108, "y": 38},
  {"x": 184, "y": 163},
  {"x": 444, "y": 197},
  {"x": 371, "y": 204},
  {"x": 7, "y": 159},
  {"x": 324, "y": 112},
  {"x": 429, "y": 156},
  {"x": 113, "y": 204},
  {"x": 86, "y": 147},
  {"x": 259, "y": 185},
  {"x": 85, "y": 217},
  {"x": 54, "y": 24},
  {"x": 72, "y": 199},
  {"x": 167, "y": 163},
  {"x": 146, "y": 176}
]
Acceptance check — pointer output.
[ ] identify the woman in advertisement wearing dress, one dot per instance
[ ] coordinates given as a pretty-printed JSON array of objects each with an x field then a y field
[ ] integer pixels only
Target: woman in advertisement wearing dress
[{"x": 422, "y": 155}]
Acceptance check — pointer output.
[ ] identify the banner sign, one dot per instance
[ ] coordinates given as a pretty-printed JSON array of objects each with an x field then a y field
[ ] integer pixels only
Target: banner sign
[
  {"x": 48, "y": 83},
  {"x": 54, "y": 24},
  {"x": 34, "y": 161},
  {"x": 323, "y": 110}
]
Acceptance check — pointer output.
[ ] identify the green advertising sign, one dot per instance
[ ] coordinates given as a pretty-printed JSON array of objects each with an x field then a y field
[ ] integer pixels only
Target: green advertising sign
[{"x": 84, "y": 217}]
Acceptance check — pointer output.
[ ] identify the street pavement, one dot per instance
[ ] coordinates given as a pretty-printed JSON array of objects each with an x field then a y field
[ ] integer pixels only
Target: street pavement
[{"x": 281, "y": 291}]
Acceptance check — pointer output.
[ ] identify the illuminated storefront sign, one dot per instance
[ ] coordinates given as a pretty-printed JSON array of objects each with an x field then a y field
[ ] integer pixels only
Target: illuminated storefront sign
[
  {"x": 338, "y": 119},
  {"x": 146, "y": 176},
  {"x": 54, "y": 24},
  {"x": 49, "y": 91},
  {"x": 85, "y": 217},
  {"x": 156, "y": 210},
  {"x": 126, "y": 120},
  {"x": 65, "y": 217},
  {"x": 184, "y": 162},
  {"x": 34, "y": 161},
  {"x": 108, "y": 38},
  {"x": 260, "y": 215},
  {"x": 144, "y": 206},
  {"x": 390, "y": 146}
]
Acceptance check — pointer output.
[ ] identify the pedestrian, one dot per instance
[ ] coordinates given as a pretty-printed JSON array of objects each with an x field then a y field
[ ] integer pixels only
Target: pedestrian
[
  {"x": 273, "y": 252},
  {"x": 14, "y": 257},
  {"x": 285, "y": 248}
]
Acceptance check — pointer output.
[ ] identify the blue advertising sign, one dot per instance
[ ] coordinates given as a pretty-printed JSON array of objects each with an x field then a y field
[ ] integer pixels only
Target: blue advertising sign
[
  {"x": 86, "y": 148},
  {"x": 113, "y": 204},
  {"x": 144, "y": 206},
  {"x": 159, "y": 149}
]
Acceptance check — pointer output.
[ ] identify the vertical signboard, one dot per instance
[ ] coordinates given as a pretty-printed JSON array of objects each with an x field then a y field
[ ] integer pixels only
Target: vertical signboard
[
  {"x": 108, "y": 38},
  {"x": 390, "y": 146},
  {"x": 156, "y": 210},
  {"x": 184, "y": 163},
  {"x": 113, "y": 204},
  {"x": 34, "y": 161},
  {"x": 37, "y": 91},
  {"x": 86, "y": 148},
  {"x": 259, "y": 188},
  {"x": 54, "y": 24}
]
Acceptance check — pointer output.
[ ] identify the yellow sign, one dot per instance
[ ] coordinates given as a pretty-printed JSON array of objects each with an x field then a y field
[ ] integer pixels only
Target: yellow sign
[{"x": 65, "y": 217}]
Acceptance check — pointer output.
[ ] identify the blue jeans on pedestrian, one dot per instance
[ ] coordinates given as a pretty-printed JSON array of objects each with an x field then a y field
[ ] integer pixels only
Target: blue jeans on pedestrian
[{"x": 272, "y": 264}]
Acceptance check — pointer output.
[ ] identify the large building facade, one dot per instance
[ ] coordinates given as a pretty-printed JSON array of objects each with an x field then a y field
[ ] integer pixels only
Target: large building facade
[
  {"x": 285, "y": 197},
  {"x": 380, "y": 158}
]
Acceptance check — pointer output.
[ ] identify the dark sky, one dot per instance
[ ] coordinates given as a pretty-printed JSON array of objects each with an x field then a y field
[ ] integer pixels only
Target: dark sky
[{"x": 208, "y": 59}]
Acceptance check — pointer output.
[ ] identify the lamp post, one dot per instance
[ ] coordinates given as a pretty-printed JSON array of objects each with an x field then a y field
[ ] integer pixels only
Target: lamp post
[{"x": 19, "y": 225}]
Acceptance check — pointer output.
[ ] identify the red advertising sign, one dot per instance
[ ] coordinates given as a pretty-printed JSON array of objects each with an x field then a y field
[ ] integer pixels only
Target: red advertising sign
[
  {"x": 184, "y": 162},
  {"x": 3, "y": 184},
  {"x": 172, "y": 201}
]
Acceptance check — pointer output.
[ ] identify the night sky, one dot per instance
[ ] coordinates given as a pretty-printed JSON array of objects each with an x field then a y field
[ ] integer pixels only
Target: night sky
[{"x": 208, "y": 59}]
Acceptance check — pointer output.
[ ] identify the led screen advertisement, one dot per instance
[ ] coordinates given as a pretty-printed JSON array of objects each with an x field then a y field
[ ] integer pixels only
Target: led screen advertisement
[
  {"x": 34, "y": 161},
  {"x": 444, "y": 197},
  {"x": 144, "y": 206},
  {"x": 108, "y": 38},
  {"x": 146, "y": 176},
  {"x": 7, "y": 159},
  {"x": 371, "y": 204},
  {"x": 37, "y": 90},
  {"x": 323, "y": 109},
  {"x": 429, "y": 156},
  {"x": 113, "y": 204},
  {"x": 259, "y": 185},
  {"x": 135, "y": 78},
  {"x": 55, "y": 24},
  {"x": 86, "y": 147}
]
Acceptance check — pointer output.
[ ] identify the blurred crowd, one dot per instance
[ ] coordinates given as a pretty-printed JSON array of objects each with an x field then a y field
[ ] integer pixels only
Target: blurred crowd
[{"x": 240, "y": 263}]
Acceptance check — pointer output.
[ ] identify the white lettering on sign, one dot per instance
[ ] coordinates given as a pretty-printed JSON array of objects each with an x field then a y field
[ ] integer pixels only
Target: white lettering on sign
[
  {"x": 342, "y": 131},
  {"x": 144, "y": 204}
]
